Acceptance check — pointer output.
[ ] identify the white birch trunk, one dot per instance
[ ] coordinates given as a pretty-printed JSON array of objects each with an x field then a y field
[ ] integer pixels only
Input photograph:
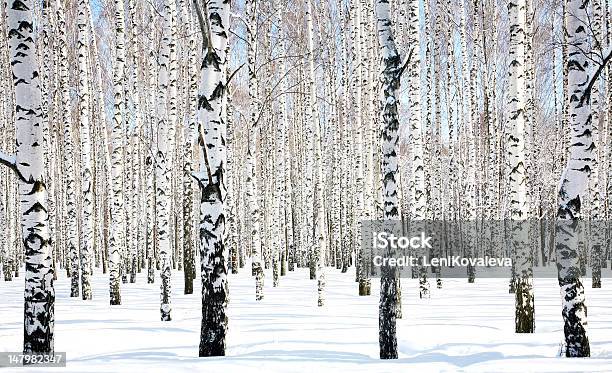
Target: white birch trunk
[
  {"x": 86, "y": 149},
  {"x": 162, "y": 175},
  {"x": 573, "y": 184},
  {"x": 519, "y": 209},
  {"x": 251, "y": 179},
  {"x": 212, "y": 131},
  {"x": 389, "y": 168},
  {"x": 70, "y": 192},
  {"x": 28, "y": 164},
  {"x": 117, "y": 213}
]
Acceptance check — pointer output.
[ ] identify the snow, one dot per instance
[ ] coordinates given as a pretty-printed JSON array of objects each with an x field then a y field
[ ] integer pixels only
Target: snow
[{"x": 463, "y": 327}]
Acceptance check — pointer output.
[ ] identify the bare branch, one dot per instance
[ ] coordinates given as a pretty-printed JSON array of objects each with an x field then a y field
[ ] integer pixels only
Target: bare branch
[
  {"x": 232, "y": 75},
  {"x": 11, "y": 162},
  {"x": 405, "y": 64},
  {"x": 587, "y": 92},
  {"x": 203, "y": 21}
]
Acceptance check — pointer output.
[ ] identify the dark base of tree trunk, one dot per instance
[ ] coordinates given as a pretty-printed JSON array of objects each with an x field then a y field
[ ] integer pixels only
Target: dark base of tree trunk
[
  {"x": 596, "y": 275},
  {"x": 150, "y": 272},
  {"x": 115, "y": 299},
  {"x": 233, "y": 262},
  {"x": 524, "y": 320},
  {"x": 574, "y": 327},
  {"x": 275, "y": 272},
  {"x": 512, "y": 286},
  {"x": 365, "y": 287},
  {"x": 423, "y": 285},
  {"x": 86, "y": 294},
  {"x": 471, "y": 272},
  {"x": 8, "y": 271},
  {"x": 133, "y": 270},
  {"x": 188, "y": 284},
  {"x": 398, "y": 298},
  {"x": 584, "y": 350},
  {"x": 211, "y": 352},
  {"x": 165, "y": 296},
  {"x": 213, "y": 330},
  {"x": 387, "y": 338},
  {"x": 40, "y": 340},
  {"x": 283, "y": 271},
  {"x": 291, "y": 259},
  {"x": 259, "y": 275}
]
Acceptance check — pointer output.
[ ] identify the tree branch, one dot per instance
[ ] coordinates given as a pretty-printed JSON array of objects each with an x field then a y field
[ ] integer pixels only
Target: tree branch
[
  {"x": 8, "y": 160},
  {"x": 232, "y": 75},
  {"x": 587, "y": 92},
  {"x": 405, "y": 64},
  {"x": 204, "y": 27},
  {"x": 11, "y": 162}
]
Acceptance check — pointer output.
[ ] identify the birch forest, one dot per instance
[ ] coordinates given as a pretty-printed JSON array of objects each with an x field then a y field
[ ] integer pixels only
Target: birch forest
[{"x": 183, "y": 179}]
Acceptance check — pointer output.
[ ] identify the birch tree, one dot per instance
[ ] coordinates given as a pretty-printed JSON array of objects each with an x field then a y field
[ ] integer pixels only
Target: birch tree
[
  {"x": 117, "y": 227},
  {"x": 212, "y": 100},
  {"x": 524, "y": 318},
  {"x": 163, "y": 162},
  {"x": 28, "y": 165},
  {"x": 69, "y": 179},
  {"x": 86, "y": 150},
  {"x": 319, "y": 248},
  {"x": 573, "y": 184},
  {"x": 391, "y": 74},
  {"x": 251, "y": 180}
]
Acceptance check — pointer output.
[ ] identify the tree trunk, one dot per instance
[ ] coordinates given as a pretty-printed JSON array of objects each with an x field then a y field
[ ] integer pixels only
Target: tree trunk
[
  {"x": 211, "y": 136},
  {"x": 523, "y": 260},
  {"x": 117, "y": 227},
  {"x": 390, "y": 79},
  {"x": 573, "y": 185},
  {"x": 86, "y": 150},
  {"x": 28, "y": 164}
]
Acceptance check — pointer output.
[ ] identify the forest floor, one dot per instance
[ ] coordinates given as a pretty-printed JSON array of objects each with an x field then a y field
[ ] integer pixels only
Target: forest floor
[{"x": 462, "y": 327}]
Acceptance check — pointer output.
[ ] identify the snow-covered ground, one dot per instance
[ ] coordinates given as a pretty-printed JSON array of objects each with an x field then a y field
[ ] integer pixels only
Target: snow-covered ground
[{"x": 463, "y": 327}]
